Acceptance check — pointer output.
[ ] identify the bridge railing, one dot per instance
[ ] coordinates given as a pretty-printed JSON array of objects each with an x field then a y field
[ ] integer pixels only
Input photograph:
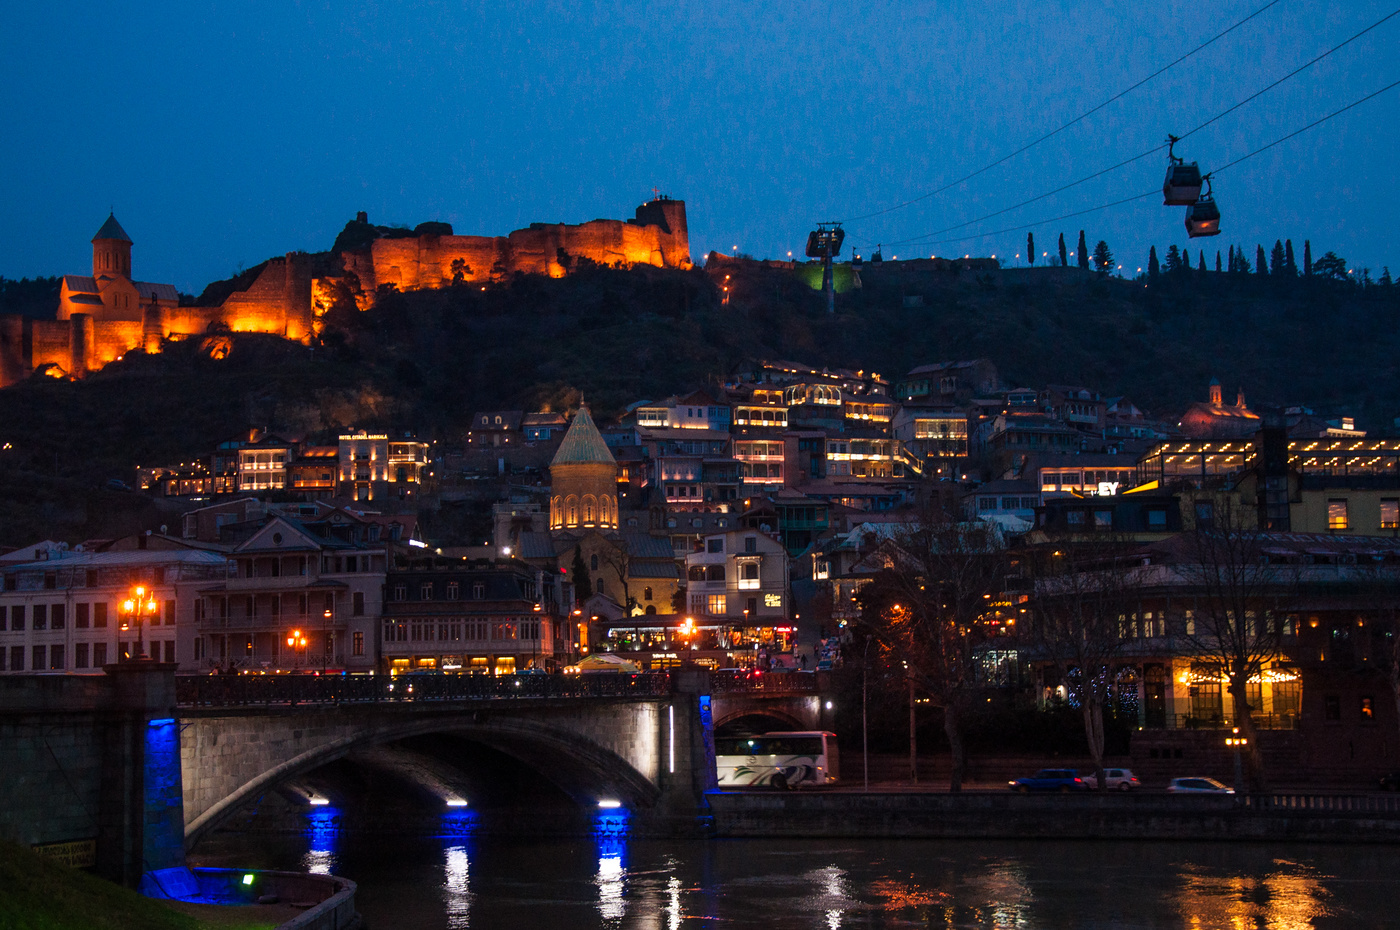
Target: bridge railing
[
  {"x": 292, "y": 690},
  {"x": 1342, "y": 803},
  {"x": 729, "y": 681}
]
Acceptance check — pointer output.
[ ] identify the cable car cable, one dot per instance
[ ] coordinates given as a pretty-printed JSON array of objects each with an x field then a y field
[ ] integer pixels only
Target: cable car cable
[
  {"x": 1223, "y": 113},
  {"x": 1077, "y": 119},
  {"x": 1296, "y": 132},
  {"x": 1155, "y": 191}
]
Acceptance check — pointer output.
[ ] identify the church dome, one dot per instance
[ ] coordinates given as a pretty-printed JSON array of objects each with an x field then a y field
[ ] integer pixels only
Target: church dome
[{"x": 583, "y": 444}]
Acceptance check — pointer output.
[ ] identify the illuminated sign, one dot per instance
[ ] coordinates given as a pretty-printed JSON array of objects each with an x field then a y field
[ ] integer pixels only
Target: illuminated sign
[{"x": 1109, "y": 488}]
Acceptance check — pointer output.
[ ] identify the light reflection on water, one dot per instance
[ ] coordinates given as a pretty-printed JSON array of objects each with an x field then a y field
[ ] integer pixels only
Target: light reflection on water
[
  {"x": 611, "y": 878},
  {"x": 322, "y": 831},
  {"x": 458, "y": 829},
  {"x": 610, "y": 830}
]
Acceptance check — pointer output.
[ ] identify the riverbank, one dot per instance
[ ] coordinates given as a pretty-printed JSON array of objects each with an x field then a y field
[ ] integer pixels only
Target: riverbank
[
  {"x": 37, "y": 894},
  {"x": 893, "y": 814}
]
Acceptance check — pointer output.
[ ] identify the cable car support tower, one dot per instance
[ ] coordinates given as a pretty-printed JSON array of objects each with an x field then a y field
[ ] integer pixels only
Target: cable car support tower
[{"x": 824, "y": 242}]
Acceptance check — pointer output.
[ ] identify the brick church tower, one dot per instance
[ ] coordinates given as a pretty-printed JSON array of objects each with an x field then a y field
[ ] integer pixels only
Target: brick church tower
[{"x": 583, "y": 480}]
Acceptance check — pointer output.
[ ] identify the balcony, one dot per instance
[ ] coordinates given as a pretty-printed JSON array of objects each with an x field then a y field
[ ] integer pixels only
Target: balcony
[{"x": 277, "y": 583}]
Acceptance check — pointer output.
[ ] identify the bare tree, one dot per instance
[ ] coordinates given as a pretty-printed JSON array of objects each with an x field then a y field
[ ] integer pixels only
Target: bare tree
[
  {"x": 1235, "y": 629},
  {"x": 926, "y": 610},
  {"x": 618, "y": 557},
  {"x": 1083, "y": 592}
]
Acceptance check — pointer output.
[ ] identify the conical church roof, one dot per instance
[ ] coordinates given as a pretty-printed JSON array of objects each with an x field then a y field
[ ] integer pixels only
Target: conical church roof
[
  {"x": 112, "y": 230},
  {"x": 583, "y": 443}
]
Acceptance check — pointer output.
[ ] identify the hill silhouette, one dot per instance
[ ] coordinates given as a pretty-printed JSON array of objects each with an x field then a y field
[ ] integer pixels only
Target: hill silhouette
[{"x": 425, "y": 360}]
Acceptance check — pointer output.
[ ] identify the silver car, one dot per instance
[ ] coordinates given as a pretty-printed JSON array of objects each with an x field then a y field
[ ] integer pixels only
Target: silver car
[
  {"x": 1197, "y": 786},
  {"x": 1113, "y": 779}
]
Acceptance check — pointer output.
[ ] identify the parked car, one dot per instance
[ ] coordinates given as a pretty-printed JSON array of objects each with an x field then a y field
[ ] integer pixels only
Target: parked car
[
  {"x": 1113, "y": 779},
  {"x": 1063, "y": 780},
  {"x": 1197, "y": 786}
]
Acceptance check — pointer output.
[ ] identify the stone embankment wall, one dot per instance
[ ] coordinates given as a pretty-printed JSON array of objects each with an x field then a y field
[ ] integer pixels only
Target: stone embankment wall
[
  {"x": 1052, "y": 816},
  {"x": 89, "y": 767}
]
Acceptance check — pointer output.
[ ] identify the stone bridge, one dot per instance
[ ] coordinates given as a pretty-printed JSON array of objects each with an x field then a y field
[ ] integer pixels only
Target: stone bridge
[{"x": 645, "y": 741}]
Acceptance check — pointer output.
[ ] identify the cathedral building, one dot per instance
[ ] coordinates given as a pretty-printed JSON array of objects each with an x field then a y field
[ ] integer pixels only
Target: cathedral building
[{"x": 583, "y": 476}]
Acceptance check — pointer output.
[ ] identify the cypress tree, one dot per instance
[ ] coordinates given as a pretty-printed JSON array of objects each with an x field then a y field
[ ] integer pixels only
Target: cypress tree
[
  {"x": 583, "y": 583},
  {"x": 1217, "y": 261},
  {"x": 1385, "y": 277},
  {"x": 1307, "y": 256},
  {"x": 1083, "y": 252},
  {"x": 1202, "y": 265},
  {"x": 1153, "y": 268},
  {"x": 1064, "y": 256},
  {"x": 1173, "y": 264},
  {"x": 1261, "y": 264},
  {"x": 1030, "y": 248},
  {"x": 1103, "y": 258},
  {"x": 1276, "y": 259},
  {"x": 1288, "y": 263},
  {"x": 1231, "y": 266}
]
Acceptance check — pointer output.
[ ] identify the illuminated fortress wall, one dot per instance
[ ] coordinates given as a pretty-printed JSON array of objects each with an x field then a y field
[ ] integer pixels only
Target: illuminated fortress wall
[
  {"x": 102, "y": 318},
  {"x": 657, "y": 236}
]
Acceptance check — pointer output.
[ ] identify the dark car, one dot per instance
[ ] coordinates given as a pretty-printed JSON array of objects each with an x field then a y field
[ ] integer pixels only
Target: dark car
[{"x": 1063, "y": 780}]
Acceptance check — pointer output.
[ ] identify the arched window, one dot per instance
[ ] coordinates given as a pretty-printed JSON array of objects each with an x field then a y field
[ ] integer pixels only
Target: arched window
[
  {"x": 602, "y": 588},
  {"x": 593, "y": 562},
  {"x": 651, "y": 609},
  {"x": 589, "y": 507},
  {"x": 604, "y": 511},
  {"x": 646, "y": 594},
  {"x": 571, "y": 511}
]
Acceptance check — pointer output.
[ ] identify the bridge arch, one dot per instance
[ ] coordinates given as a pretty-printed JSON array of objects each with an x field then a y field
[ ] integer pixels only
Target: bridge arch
[{"x": 580, "y": 767}]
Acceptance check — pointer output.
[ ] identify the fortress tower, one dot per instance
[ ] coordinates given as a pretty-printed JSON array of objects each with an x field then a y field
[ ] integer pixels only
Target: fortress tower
[{"x": 583, "y": 480}]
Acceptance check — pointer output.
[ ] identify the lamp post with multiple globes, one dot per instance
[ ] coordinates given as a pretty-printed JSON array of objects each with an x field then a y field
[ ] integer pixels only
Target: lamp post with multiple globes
[
  {"x": 135, "y": 609},
  {"x": 297, "y": 640}
]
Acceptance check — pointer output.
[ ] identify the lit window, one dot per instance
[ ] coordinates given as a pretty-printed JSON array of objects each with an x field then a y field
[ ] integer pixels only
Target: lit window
[
  {"x": 1337, "y": 515},
  {"x": 715, "y": 605},
  {"x": 1390, "y": 513}
]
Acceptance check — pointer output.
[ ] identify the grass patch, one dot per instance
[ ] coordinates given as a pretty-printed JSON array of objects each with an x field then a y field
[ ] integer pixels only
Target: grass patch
[{"x": 36, "y": 894}]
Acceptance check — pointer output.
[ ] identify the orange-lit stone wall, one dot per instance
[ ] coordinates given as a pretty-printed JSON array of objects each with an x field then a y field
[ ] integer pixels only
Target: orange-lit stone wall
[
  {"x": 657, "y": 236},
  {"x": 285, "y": 301}
]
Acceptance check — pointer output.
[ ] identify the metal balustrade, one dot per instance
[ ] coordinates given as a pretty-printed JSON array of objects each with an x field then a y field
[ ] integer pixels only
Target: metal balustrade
[
  {"x": 727, "y": 681},
  {"x": 1331, "y": 803},
  {"x": 295, "y": 690}
]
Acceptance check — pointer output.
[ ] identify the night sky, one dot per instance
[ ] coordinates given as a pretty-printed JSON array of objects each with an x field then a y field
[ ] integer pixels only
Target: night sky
[{"x": 223, "y": 134}]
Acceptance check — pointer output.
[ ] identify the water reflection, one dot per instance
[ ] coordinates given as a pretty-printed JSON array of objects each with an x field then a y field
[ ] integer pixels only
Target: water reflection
[
  {"x": 322, "y": 834},
  {"x": 458, "y": 828},
  {"x": 1291, "y": 898},
  {"x": 833, "y": 894},
  {"x": 613, "y": 878},
  {"x": 610, "y": 833}
]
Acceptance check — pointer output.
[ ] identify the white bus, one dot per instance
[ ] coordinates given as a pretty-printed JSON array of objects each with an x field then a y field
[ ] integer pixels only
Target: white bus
[{"x": 777, "y": 760}]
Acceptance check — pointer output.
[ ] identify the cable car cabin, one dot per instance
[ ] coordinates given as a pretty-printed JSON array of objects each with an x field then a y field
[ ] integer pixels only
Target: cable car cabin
[
  {"x": 1182, "y": 188},
  {"x": 1203, "y": 218}
]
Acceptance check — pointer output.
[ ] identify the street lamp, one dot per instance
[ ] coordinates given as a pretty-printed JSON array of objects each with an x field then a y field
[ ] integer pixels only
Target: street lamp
[
  {"x": 1237, "y": 743},
  {"x": 136, "y": 609},
  {"x": 329, "y": 632},
  {"x": 297, "y": 640}
]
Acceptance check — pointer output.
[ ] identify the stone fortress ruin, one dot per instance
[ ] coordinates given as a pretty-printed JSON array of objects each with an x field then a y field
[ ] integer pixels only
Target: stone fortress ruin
[{"x": 103, "y": 316}]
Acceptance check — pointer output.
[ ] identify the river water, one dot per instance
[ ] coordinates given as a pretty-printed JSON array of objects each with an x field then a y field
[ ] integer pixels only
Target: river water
[{"x": 455, "y": 876}]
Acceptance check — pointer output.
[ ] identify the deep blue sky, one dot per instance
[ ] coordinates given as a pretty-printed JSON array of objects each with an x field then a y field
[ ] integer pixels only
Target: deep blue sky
[{"x": 226, "y": 133}]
